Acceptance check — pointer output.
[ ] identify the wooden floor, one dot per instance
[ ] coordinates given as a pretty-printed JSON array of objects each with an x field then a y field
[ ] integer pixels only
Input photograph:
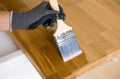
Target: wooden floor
[{"x": 97, "y": 27}]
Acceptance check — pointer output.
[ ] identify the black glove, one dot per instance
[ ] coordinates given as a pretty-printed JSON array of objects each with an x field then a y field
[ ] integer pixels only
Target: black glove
[{"x": 40, "y": 15}]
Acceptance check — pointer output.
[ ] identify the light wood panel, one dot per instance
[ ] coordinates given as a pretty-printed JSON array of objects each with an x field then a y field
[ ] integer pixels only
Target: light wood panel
[{"x": 97, "y": 27}]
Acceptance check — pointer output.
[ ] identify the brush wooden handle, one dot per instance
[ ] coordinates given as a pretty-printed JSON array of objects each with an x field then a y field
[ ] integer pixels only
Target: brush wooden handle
[
  {"x": 61, "y": 26},
  {"x": 54, "y": 5}
]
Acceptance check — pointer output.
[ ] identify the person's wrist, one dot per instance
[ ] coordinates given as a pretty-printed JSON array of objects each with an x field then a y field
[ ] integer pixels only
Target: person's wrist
[{"x": 4, "y": 21}]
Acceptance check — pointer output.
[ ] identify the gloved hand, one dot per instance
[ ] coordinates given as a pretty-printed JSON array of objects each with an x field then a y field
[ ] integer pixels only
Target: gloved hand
[{"x": 40, "y": 15}]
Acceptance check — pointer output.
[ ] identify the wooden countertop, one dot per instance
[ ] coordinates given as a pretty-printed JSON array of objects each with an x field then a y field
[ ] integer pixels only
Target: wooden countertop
[{"x": 97, "y": 27}]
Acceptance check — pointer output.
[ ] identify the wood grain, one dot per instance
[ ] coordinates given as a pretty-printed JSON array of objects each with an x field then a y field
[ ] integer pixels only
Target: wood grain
[{"x": 97, "y": 27}]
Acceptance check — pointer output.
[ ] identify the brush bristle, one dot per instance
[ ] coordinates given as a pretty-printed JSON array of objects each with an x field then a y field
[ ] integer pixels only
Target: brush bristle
[{"x": 68, "y": 45}]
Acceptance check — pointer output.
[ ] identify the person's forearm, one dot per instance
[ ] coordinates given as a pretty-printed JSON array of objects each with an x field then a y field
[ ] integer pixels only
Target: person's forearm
[{"x": 4, "y": 21}]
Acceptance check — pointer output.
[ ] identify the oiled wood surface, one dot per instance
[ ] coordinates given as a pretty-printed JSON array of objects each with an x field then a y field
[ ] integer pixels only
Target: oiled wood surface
[{"x": 97, "y": 27}]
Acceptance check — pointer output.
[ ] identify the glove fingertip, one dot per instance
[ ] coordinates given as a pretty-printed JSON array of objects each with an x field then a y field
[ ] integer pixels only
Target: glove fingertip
[
  {"x": 45, "y": 24},
  {"x": 53, "y": 22}
]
